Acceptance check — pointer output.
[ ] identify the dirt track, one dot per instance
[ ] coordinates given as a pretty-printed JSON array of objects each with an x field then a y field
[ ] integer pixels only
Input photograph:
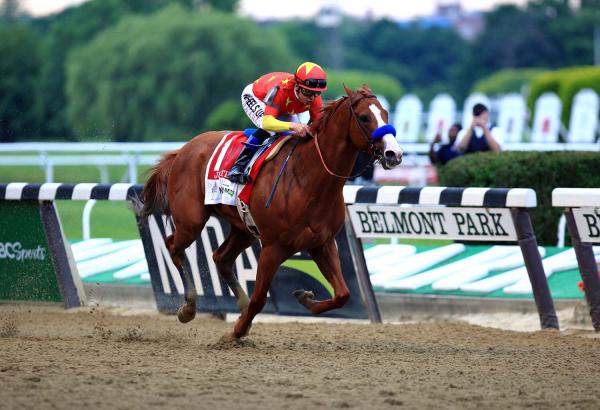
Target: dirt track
[{"x": 95, "y": 359}]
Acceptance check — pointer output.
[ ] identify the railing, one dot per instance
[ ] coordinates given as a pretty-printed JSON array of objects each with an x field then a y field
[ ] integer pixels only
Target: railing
[{"x": 102, "y": 155}]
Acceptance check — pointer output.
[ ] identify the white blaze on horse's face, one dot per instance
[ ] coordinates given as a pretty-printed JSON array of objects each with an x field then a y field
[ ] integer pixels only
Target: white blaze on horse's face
[{"x": 392, "y": 153}]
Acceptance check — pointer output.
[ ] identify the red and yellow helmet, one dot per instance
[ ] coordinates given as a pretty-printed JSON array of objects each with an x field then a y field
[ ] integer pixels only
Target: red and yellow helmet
[{"x": 311, "y": 76}]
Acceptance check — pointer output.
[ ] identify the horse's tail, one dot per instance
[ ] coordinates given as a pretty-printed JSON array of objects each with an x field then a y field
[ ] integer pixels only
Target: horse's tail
[{"x": 154, "y": 195}]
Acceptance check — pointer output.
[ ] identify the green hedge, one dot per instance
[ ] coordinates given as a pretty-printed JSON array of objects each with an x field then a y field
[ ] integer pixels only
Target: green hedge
[
  {"x": 541, "y": 171},
  {"x": 507, "y": 81},
  {"x": 566, "y": 83},
  {"x": 588, "y": 77}
]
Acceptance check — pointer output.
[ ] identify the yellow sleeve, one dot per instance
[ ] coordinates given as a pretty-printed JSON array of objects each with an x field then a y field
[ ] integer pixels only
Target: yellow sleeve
[{"x": 270, "y": 123}]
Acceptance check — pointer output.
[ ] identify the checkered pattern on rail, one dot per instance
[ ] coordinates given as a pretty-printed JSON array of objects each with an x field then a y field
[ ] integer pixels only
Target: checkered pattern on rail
[
  {"x": 20, "y": 191},
  {"x": 479, "y": 197},
  {"x": 486, "y": 197}
]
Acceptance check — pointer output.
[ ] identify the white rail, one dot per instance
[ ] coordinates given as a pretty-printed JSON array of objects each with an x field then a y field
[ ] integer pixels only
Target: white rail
[
  {"x": 105, "y": 154},
  {"x": 95, "y": 147}
]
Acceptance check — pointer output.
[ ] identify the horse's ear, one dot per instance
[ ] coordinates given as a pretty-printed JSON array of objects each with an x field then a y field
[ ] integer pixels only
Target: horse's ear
[
  {"x": 367, "y": 88},
  {"x": 348, "y": 90}
]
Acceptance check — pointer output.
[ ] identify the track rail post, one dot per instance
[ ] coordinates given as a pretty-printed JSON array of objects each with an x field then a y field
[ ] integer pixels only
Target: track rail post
[
  {"x": 535, "y": 268},
  {"x": 362, "y": 273},
  {"x": 587, "y": 268}
]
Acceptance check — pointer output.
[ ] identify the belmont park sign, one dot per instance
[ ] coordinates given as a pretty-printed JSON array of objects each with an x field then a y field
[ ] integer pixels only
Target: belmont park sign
[{"x": 373, "y": 221}]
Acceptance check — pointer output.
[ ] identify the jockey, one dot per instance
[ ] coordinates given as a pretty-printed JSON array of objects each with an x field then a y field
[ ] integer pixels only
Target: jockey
[{"x": 272, "y": 103}]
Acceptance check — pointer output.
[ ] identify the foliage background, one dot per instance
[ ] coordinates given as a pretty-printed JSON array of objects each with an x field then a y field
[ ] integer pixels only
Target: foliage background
[
  {"x": 136, "y": 70},
  {"x": 155, "y": 76}
]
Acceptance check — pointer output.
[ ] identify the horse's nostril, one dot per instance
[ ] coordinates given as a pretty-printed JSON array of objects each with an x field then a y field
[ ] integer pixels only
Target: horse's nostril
[{"x": 391, "y": 156}]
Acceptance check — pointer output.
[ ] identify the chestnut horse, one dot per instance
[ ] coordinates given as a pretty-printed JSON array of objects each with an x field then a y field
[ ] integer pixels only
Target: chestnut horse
[{"x": 306, "y": 212}]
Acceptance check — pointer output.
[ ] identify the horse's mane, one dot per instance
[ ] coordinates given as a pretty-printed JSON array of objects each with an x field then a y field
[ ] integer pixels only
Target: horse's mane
[{"x": 330, "y": 108}]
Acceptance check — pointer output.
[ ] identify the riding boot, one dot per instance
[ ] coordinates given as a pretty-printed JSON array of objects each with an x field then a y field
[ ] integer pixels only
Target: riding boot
[{"x": 238, "y": 174}]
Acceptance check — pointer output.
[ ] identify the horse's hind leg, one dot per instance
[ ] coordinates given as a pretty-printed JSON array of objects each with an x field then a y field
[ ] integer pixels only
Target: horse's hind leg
[
  {"x": 328, "y": 261},
  {"x": 188, "y": 225},
  {"x": 224, "y": 258}
]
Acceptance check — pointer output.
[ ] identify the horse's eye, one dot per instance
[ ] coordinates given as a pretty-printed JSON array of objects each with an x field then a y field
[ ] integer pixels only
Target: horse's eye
[{"x": 364, "y": 118}]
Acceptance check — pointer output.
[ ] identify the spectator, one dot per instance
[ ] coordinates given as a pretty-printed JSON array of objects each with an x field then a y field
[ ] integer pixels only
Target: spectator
[
  {"x": 480, "y": 136},
  {"x": 445, "y": 152}
]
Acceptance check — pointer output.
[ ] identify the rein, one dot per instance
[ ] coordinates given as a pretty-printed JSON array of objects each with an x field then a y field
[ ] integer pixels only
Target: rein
[
  {"x": 369, "y": 141},
  {"x": 371, "y": 162},
  {"x": 268, "y": 203}
]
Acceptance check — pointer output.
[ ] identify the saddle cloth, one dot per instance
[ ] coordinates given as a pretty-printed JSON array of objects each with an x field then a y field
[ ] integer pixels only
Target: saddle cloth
[{"x": 220, "y": 190}]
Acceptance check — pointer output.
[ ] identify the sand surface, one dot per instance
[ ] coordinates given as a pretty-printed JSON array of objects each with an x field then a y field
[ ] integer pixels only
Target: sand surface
[{"x": 101, "y": 358}]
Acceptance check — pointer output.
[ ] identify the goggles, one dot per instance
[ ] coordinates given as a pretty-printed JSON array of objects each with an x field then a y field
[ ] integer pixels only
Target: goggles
[{"x": 309, "y": 93}]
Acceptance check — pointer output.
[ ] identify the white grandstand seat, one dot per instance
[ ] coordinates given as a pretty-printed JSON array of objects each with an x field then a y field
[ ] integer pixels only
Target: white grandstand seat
[
  {"x": 407, "y": 118},
  {"x": 442, "y": 111},
  {"x": 511, "y": 117},
  {"x": 584, "y": 117},
  {"x": 546, "y": 120},
  {"x": 474, "y": 98}
]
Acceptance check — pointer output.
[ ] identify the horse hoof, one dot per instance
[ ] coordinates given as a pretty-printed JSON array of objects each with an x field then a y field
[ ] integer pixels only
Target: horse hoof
[
  {"x": 298, "y": 293},
  {"x": 228, "y": 338},
  {"x": 186, "y": 313},
  {"x": 303, "y": 296}
]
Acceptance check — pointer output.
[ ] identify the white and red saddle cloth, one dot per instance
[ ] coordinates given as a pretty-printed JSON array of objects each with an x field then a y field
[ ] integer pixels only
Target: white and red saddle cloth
[{"x": 220, "y": 190}]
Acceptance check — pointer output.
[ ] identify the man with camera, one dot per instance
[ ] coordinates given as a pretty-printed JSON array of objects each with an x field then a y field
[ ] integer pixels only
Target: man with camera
[{"x": 479, "y": 136}]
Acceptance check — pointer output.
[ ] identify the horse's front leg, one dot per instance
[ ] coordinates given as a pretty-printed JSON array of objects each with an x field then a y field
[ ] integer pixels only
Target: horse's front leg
[
  {"x": 328, "y": 261},
  {"x": 268, "y": 263}
]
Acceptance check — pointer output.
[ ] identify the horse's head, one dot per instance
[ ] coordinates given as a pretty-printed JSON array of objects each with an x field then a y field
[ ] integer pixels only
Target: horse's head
[{"x": 369, "y": 128}]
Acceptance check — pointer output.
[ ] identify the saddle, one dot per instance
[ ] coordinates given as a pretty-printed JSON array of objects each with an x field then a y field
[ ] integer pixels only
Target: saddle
[
  {"x": 218, "y": 189},
  {"x": 280, "y": 138}
]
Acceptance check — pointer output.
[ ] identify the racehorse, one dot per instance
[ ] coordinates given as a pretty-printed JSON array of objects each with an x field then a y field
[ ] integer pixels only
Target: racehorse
[{"x": 306, "y": 211}]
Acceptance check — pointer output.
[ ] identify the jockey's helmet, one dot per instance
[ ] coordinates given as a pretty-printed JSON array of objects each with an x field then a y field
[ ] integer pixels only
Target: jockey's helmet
[{"x": 311, "y": 76}]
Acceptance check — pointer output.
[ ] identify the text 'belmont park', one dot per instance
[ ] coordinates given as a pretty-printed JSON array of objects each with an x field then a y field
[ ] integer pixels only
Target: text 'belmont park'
[{"x": 467, "y": 223}]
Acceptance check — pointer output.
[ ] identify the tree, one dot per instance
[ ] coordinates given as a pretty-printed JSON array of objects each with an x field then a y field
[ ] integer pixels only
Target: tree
[
  {"x": 550, "y": 34},
  {"x": 303, "y": 38},
  {"x": 74, "y": 27},
  {"x": 228, "y": 115},
  {"x": 160, "y": 76},
  {"x": 19, "y": 67},
  {"x": 227, "y": 6},
  {"x": 9, "y": 10},
  {"x": 379, "y": 83},
  {"x": 424, "y": 60},
  {"x": 577, "y": 35},
  {"x": 501, "y": 46},
  {"x": 590, "y": 4}
]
